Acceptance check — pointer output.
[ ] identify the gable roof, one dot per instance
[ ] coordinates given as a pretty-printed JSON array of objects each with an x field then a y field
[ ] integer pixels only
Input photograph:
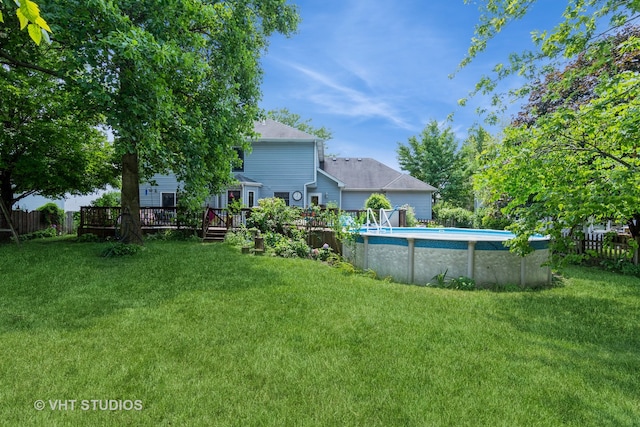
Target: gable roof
[
  {"x": 270, "y": 130},
  {"x": 371, "y": 175}
]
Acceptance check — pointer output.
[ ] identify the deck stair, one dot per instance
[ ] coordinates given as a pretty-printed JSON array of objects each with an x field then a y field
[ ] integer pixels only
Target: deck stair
[{"x": 214, "y": 234}]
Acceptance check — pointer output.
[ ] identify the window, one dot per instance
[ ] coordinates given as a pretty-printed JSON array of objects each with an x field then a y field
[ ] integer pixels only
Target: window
[
  {"x": 232, "y": 196},
  {"x": 282, "y": 195},
  {"x": 168, "y": 200},
  {"x": 239, "y": 167},
  {"x": 252, "y": 198}
]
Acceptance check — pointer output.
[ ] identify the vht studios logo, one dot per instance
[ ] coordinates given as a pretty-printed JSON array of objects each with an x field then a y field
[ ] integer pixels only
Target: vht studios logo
[{"x": 88, "y": 405}]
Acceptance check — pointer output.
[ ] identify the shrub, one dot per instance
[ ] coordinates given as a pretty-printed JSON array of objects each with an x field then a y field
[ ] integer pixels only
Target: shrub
[
  {"x": 450, "y": 216},
  {"x": 377, "y": 201},
  {"x": 490, "y": 218},
  {"x": 51, "y": 231},
  {"x": 291, "y": 248},
  {"x": 241, "y": 237},
  {"x": 120, "y": 249},
  {"x": 88, "y": 238},
  {"x": 273, "y": 215},
  {"x": 111, "y": 198},
  {"x": 411, "y": 216},
  {"x": 323, "y": 253},
  {"x": 52, "y": 215}
]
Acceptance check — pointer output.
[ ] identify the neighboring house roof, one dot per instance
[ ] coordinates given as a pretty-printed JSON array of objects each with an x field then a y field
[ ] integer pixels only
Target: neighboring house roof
[
  {"x": 371, "y": 175},
  {"x": 272, "y": 130}
]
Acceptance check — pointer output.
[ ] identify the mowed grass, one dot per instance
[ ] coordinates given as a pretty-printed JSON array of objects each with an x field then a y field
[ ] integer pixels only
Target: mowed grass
[{"x": 202, "y": 335}]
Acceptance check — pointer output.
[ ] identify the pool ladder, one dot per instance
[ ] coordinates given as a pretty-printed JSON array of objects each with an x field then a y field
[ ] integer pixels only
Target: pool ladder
[{"x": 371, "y": 219}]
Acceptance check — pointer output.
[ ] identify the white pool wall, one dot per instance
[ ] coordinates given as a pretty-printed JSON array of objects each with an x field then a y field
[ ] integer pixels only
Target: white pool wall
[{"x": 418, "y": 255}]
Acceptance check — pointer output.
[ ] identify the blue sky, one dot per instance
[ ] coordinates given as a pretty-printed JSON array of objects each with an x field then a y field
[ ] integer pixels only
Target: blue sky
[{"x": 376, "y": 72}]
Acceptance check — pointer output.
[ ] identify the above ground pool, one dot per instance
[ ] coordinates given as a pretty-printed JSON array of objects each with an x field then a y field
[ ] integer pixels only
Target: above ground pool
[{"x": 417, "y": 255}]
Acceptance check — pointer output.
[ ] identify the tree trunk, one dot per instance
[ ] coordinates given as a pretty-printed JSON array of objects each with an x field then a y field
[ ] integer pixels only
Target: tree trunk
[
  {"x": 130, "y": 226},
  {"x": 634, "y": 225}
]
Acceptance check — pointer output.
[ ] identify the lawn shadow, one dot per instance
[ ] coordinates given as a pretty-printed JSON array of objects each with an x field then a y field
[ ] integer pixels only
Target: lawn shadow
[{"x": 67, "y": 285}]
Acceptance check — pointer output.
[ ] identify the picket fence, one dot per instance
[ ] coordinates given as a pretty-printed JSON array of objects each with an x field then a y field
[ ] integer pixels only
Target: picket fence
[{"x": 599, "y": 247}]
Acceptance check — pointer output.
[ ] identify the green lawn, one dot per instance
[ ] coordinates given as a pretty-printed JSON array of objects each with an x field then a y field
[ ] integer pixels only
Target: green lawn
[{"x": 202, "y": 335}]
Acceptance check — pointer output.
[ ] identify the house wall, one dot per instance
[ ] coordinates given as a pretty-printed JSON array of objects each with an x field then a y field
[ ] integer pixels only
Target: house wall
[
  {"x": 151, "y": 194},
  {"x": 328, "y": 188},
  {"x": 421, "y": 202},
  {"x": 281, "y": 167},
  {"x": 354, "y": 200}
]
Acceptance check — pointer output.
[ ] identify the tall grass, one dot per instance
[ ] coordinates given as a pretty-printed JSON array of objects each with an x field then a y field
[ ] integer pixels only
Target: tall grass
[{"x": 201, "y": 335}]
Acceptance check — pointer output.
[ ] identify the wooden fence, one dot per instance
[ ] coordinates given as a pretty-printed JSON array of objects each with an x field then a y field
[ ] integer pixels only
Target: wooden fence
[
  {"x": 27, "y": 222},
  {"x": 605, "y": 246}
]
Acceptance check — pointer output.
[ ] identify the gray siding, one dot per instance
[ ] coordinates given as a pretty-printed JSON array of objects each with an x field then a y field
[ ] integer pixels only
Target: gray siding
[
  {"x": 151, "y": 194},
  {"x": 354, "y": 200},
  {"x": 328, "y": 188},
  {"x": 281, "y": 167},
  {"x": 420, "y": 202}
]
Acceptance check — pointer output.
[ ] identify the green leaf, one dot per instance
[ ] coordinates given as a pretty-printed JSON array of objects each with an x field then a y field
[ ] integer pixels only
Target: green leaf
[
  {"x": 35, "y": 33},
  {"x": 22, "y": 18}
]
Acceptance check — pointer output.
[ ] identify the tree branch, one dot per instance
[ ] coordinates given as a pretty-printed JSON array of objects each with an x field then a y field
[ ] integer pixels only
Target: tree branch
[{"x": 17, "y": 63}]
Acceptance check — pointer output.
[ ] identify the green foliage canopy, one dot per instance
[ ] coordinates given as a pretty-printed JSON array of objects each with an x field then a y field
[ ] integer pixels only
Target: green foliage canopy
[
  {"x": 583, "y": 22},
  {"x": 283, "y": 115},
  {"x": 48, "y": 146},
  {"x": 178, "y": 84},
  {"x": 433, "y": 157},
  {"x": 572, "y": 164}
]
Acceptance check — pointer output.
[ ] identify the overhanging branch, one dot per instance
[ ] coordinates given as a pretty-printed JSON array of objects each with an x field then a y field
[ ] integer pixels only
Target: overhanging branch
[{"x": 17, "y": 63}]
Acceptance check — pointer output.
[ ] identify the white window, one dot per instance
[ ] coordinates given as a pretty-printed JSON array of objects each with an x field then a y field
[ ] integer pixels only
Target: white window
[{"x": 315, "y": 199}]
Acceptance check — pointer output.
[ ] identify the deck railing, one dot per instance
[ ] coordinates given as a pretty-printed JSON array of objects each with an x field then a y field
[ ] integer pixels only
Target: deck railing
[{"x": 97, "y": 217}]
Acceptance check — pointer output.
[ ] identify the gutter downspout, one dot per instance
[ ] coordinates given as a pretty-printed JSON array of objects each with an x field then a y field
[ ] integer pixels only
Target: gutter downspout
[{"x": 316, "y": 165}]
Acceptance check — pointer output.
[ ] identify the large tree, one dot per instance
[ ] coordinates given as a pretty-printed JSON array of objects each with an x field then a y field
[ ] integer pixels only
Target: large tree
[
  {"x": 178, "y": 82},
  {"x": 47, "y": 147},
  {"x": 433, "y": 157},
  {"x": 573, "y": 154},
  {"x": 49, "y": 141}
]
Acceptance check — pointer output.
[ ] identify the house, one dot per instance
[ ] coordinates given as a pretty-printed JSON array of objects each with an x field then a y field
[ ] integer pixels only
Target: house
[
  {"x": 363, "y": 176},
  {"x": 290, "y": 164}
]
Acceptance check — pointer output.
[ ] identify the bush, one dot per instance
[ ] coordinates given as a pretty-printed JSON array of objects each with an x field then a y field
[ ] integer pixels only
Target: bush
[
  {"x": 377, "y": 201},
  {"x": 411, "y": 216},
  {"x": 490, "y": 218},
  {"x": 52, "y": 215},
  {"x": 88, "y": 238},
  {"x": 40, "y": 234},
  {"x": 109, "y": 199},
  {"x": 273, "y": 215},
  {"x": 120, "y": 249},
  {"x": 323, "y": 253},
  {"x": 291, "y": 248},
  {"x": 450, "y": 216}
]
